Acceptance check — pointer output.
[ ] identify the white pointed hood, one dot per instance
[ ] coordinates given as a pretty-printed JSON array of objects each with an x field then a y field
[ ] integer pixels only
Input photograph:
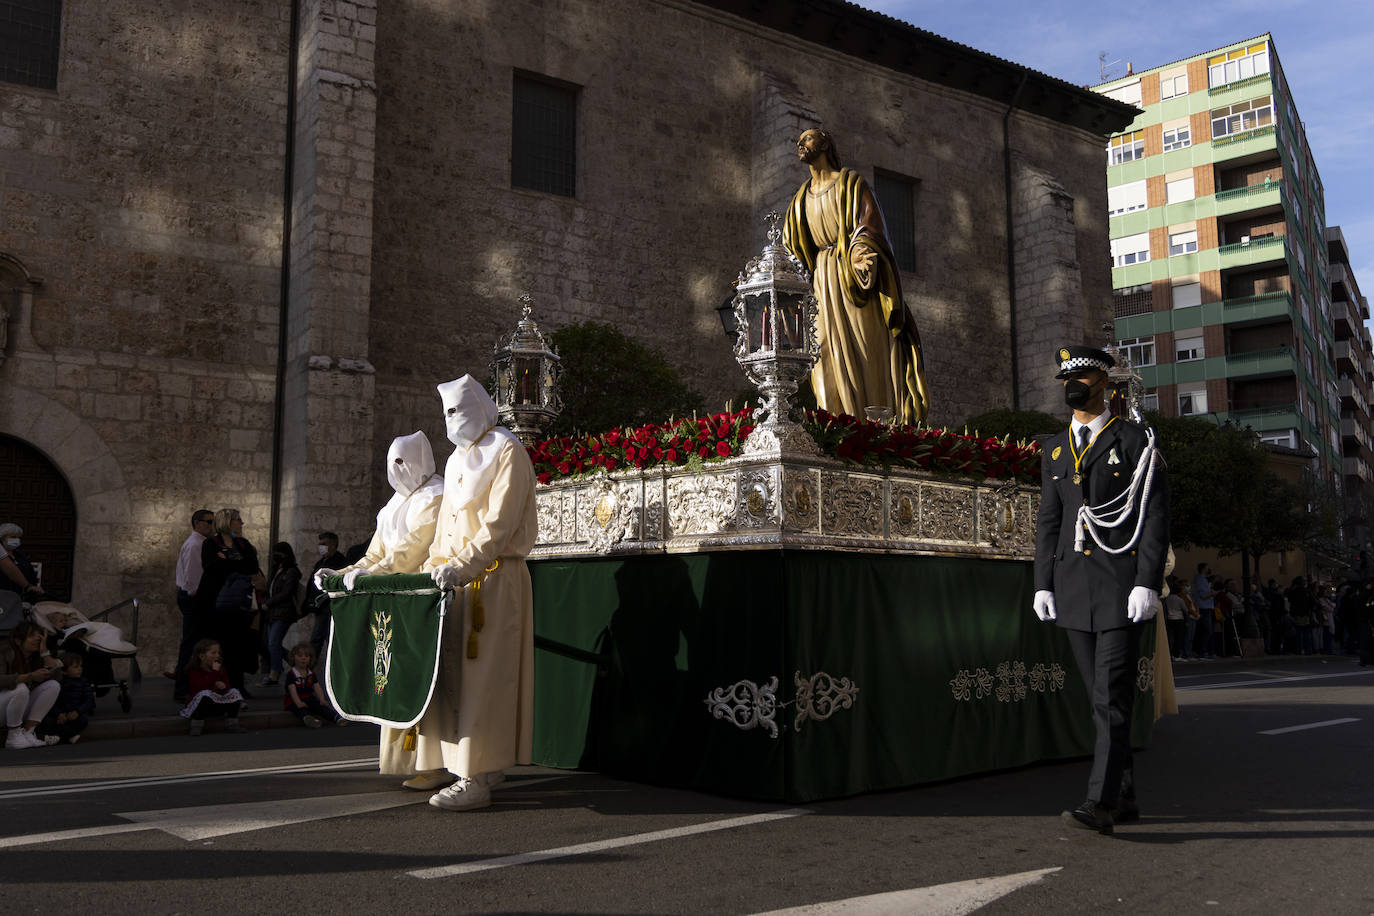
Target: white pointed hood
[
  {"x": 471, "y": 422},
  {"x": 415, "y": 483}
]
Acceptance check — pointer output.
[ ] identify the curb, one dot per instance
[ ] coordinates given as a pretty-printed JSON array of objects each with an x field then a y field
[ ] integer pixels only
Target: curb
[{"x": 167, "y": 726}]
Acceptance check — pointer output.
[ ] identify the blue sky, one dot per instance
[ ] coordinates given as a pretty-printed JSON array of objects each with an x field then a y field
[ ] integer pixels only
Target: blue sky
[{"x": 1322, "y": 46}]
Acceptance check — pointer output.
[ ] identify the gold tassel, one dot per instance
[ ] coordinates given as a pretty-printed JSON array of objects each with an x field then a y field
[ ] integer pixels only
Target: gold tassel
[
  {"x": 479, "y": 611},
  {"x": 408, "y": 742}
]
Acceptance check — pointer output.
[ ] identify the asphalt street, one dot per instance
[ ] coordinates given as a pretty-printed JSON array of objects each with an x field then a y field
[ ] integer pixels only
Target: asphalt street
[{"x": 1257, "y": 798}]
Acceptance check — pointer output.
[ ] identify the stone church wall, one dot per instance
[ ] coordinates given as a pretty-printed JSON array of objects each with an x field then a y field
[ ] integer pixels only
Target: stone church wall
[{"x": 141, "y": 224}]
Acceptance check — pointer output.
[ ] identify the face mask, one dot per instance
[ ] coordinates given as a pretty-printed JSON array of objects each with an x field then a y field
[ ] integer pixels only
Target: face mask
[
  {"x": 324, "y": 551},
  {"x": 11, "y": 543},
  {"x": 1077, "y": 393}
]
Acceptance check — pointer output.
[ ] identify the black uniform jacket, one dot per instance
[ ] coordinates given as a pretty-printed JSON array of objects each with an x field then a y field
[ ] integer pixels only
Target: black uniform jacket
[{"x": 1091, "y": 588}]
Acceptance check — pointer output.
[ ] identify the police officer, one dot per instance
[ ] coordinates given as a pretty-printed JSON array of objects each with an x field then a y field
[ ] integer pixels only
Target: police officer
[{"x": 1100, "y": 543}]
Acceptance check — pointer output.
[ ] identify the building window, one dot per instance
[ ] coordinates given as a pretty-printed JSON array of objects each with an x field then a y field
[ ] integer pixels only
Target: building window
[
  {"x": 1150, "y": 402},
  {"x": 1126, "y": 148},
  {"x": 1172, "y": 86},
  {"x": 1133, "y": 249},
  {"x": 897, "y": 198},
  {"x": 1284, "y": 439},
  {"x": 1132, "y": 300},
  {"x": 1240, "y": 64},
  {"x": 30, "y": 38},
  {"x": 1140, "y": 350},
  {"x": 1182, "y": 242},
  {"x": 1182, "y": 189},
  {"x": 1178, "y": 138},
  {"x": 1242, "y": 116},
  {"x": 1129, "y": 93},
  {"x": 1186, "y": 295},
  {"x": 544, "y": 136},
  {"x": 1126, "y": 198},
  {"x": 1192, "y": 402},
  {"x": 1187, "y": 349}
]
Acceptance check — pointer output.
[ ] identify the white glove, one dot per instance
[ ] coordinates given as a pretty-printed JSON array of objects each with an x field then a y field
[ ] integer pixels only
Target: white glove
[
  {"x": 447, "y": 577},
  {"x": 320, "y": 574},
  {"x": 1044, "y": 605},
  {"x": 351, "y": 577},
  {"x": 1142, "y": 604}
]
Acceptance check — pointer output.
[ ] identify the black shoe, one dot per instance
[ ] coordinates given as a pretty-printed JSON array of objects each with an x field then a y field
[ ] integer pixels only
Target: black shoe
[
  {"x": 1126, "y": 810},
  {"x": 1090, "y": 816}
]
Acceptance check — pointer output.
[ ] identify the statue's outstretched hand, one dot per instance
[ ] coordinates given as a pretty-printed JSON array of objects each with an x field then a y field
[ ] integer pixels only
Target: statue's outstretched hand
[
  {"x": 1044, "y": 605},
  {"x": 862, "y": 262}
]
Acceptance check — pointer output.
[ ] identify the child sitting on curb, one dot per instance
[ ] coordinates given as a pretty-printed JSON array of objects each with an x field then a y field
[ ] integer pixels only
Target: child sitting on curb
[
  {"x": 304, "y": 696},
  {"x": 75, "y": 702},
  {"x": 208, "y": 684}
]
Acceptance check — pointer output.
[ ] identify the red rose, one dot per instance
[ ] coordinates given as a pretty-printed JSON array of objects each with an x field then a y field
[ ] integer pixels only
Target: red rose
[
  {"x": 723, "y": 449},
  {"x": 658, "y": 454},
  {"x": 545, "y": 476},
  {"x": 704, "y": 451},
  {"x": 564, "y": 468},
  {"x": 671, "y": 454}
]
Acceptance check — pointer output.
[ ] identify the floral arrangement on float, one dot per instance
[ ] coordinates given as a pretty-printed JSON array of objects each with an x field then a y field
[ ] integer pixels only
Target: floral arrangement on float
[{"x": 692, "y": 442}]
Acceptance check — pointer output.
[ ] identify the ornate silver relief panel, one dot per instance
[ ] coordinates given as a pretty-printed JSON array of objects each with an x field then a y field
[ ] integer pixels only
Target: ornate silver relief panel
[
  {"x": 851, "y": 506},
  {"x": 947, "y": 512},
  {"x": 757, "y": 505},
  {"x": 701, "y": 504},
  {"x": 800, "y": 500}
]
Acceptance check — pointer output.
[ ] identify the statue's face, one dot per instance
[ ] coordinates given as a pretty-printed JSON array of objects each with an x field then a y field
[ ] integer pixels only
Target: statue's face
[{"x": 811, "y": 146}]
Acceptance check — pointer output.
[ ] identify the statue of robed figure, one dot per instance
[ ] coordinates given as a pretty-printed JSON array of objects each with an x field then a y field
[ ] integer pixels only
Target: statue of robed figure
[{"x": 870, "y": 351}]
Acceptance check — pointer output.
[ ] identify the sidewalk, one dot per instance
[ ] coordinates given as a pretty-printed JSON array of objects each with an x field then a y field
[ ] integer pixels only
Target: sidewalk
[{"x": 153, "y": 714}]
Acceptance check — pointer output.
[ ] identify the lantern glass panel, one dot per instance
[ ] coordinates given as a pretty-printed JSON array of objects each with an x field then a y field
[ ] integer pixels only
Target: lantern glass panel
[
  {"x": 756, "y": 311},
  {"x": 527, "y": 374}
]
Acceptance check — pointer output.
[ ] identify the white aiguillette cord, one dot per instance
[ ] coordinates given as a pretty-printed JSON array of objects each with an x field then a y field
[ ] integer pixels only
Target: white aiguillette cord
[{"x": 1116, "y": 511}]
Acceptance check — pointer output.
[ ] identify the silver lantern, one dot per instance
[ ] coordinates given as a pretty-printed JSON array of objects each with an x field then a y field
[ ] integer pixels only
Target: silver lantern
[
  {"x": 775, "y": 342},
  {"x": 524, "y": 374}
]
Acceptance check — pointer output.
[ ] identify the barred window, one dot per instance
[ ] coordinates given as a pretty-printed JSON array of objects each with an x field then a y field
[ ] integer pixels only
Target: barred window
[
  {"x": 30, "y": 37},
  {"x": 897, "y": 198},
  {"x": 544, "y": 136}
]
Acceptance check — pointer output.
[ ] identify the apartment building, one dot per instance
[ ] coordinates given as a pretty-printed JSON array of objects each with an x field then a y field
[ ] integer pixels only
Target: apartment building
[
  {"x": 1355, "y": 376},
  {"x": 1219, "y": 257}
]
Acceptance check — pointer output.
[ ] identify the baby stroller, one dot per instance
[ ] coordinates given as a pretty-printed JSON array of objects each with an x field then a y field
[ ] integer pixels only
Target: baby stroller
[{"x": 96, "y": 640}]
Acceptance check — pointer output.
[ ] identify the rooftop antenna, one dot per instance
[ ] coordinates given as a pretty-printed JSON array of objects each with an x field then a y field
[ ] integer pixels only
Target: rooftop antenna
[{"x": 1106, "y": 69}]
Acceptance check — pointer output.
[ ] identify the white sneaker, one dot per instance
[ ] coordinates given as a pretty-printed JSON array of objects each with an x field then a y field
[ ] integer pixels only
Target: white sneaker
[
  {"x": 464, "y": 795},
  {"x": 48, "y": 741},
  {"x": 21, "y": 738},
  {"x": 429, "y": 780}
]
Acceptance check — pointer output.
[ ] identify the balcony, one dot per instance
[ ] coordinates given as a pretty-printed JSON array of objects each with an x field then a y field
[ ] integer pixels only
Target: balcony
[
  {"x": 1357, "y": 467},
  {"x": 1352, "y": 429},
  {"x": 1255, "y": 251},
  {"x": 1278, "y": 361},
  {"x": 1254, "y": 197},
  {"x": 1264, "y": 307},
  {"x": 1245, "y": 143},
  {"x": 1266, "y": 419},
  {"x": 1351, "y": 389}
]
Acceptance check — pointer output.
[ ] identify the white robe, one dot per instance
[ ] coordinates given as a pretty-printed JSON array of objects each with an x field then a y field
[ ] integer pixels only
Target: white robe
[{"x": 481, "y": 718}]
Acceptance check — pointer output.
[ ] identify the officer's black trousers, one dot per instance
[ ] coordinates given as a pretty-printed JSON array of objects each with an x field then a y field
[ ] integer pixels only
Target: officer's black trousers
[{"x": 1107, "y": 661}]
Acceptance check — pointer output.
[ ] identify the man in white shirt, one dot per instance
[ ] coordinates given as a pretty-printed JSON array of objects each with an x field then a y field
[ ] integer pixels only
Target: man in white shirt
[{"x": 188, "y": 576}]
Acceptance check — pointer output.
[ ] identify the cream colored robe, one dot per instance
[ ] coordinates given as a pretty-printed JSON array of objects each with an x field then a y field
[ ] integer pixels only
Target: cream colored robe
[
  {"x": 408, "y": 556},
  {"x": 491, "y": 725}
]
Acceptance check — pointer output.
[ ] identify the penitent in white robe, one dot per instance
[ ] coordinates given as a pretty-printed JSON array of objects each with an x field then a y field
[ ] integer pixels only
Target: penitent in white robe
[{"x": 481, "y": 718}]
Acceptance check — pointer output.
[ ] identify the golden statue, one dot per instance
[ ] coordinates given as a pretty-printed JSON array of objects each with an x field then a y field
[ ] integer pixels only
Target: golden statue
[{"x": 870, "y": 349}]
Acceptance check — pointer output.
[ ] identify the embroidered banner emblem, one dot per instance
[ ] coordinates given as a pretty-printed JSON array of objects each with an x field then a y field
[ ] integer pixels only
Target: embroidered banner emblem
[{"x": 381, "y": 650}]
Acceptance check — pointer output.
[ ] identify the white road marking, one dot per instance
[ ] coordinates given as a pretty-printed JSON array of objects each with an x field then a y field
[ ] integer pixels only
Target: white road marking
[
  {"x": 1275, "y": 680},
  {"x": 202, "y": 822},
  {"x": 951, "y": 899},
  {"x": 561, "y": 852},
  {"x": 1303, "y": 728},
  {"x": 135, "y": 782}
]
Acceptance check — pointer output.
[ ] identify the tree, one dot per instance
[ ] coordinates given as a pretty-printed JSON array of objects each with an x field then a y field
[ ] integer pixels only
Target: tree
[
  {"x": 610, "y": 380},
  {"x": 1214, "y": 475},
  {"x": 1018, "y": 425}
]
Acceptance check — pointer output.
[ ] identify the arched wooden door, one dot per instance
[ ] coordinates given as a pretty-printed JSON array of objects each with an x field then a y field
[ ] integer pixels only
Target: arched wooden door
[{"x": 35, "y": 496}]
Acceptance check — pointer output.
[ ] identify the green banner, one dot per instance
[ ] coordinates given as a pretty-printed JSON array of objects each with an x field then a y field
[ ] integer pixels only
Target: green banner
[{"x": 384, "y": 640}]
